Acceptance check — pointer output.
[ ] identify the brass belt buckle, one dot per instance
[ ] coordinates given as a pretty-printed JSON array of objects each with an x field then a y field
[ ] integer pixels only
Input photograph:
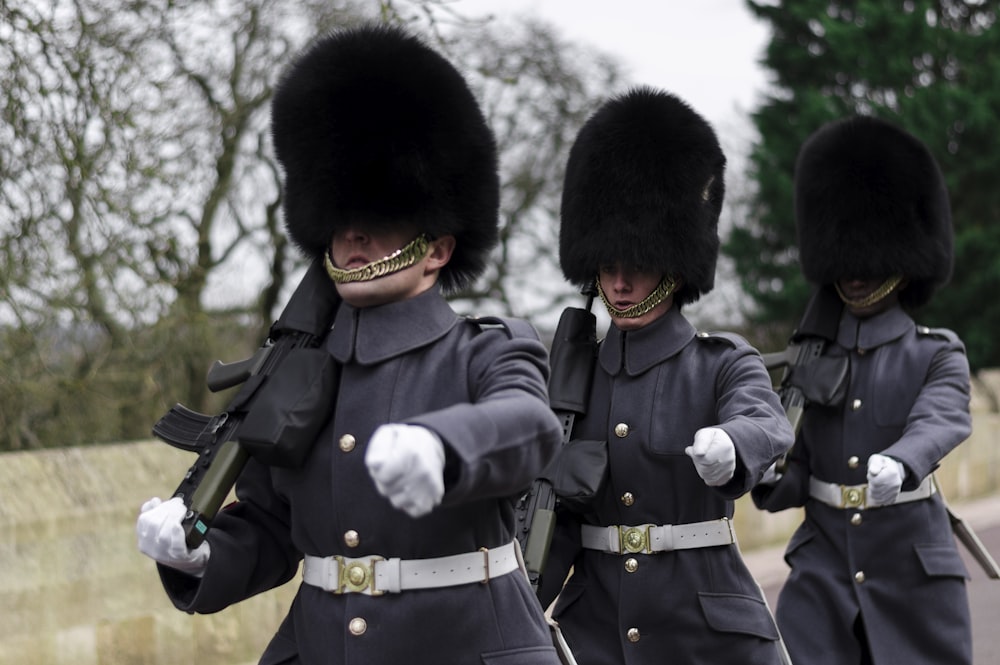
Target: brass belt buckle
[
  {"x": 852, "y": 497},
  {"x": 358, "y": 575},
  {"x": 634, "y": 539}
]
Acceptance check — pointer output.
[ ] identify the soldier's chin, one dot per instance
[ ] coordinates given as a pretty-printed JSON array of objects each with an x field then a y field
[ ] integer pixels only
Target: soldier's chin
[{"x": 370, "y": 293}]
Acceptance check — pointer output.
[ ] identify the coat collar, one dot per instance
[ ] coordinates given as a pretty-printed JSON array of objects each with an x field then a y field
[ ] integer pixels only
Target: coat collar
[
  {"x": 638, "y": 350},
  {"x": 373, "y": 334},
  {"x": 875, "y": 331}
]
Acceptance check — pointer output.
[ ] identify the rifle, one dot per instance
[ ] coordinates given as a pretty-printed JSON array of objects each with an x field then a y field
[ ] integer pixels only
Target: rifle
[
  {"x": 810, "y": 378},
  {"x": 263, "y": 419},
  {"x": 572, "y": 360}
]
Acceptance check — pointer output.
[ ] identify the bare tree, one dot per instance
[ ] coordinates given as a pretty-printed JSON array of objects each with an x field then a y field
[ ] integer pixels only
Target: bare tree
[{"x": 140, "y": 200}]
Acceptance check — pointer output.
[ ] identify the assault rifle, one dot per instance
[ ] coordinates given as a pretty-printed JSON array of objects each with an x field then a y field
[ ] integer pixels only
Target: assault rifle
[
  {"x": 275, "y": 416},
  {"x": 572, "y": 358}
]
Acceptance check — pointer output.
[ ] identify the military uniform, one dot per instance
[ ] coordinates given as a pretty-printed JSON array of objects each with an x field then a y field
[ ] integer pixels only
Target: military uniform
[
  {"x": 876, "y": 577},
  {"x": 491, "y": 412},
  {"x": 654, "y": 388},
  {"x": 402, "y": 513},
  {"x": 656, "y": 572},
  {"x": 896, "y": 566}
]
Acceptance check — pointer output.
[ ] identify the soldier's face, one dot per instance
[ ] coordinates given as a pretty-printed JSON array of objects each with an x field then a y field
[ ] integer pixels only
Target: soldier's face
[
  {"x": 624, "y": 287},
  {"x": 355, "y": 247},
  {"x": 858, "y": 289}
]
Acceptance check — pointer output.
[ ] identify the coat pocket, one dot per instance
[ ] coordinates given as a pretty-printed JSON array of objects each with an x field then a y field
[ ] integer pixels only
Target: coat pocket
[
  {"x": 940, "y": 560},
  {"x": 735, "y": 613}
]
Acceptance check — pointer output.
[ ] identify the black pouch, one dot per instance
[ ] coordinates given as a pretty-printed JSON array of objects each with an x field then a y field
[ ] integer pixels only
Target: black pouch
[
  {"x": 579, "y": 472},
  {"x": 823, "y": 381},
  {"x": 290, "y": 408}
]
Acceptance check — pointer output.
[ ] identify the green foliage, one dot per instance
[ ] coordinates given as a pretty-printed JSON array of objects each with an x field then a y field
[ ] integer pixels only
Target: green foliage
[{"x": 927, "y": 65}]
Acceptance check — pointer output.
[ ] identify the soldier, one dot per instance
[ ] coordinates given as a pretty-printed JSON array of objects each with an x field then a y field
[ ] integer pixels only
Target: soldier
[
  {"x": 402, "y": 510},
  {"x": 689, "y": 418},
  {"x": 875, "y": 572}
]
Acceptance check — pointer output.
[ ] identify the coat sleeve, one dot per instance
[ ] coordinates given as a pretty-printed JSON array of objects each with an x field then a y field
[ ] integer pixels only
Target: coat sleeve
[
  {"x": 940, "y": 417},
  {"x": 750, "y": 412},
  {"x": 500, "y": 441}
]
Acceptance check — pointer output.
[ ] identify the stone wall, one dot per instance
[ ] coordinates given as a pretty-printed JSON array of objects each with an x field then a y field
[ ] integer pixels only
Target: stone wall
[{"x": 75, "y": 590}]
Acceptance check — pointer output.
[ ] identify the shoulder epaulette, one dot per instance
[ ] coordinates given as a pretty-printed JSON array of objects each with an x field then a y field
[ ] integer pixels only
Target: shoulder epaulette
[
  {"x": 937, "y": 333},
  {"x": 731, "y": 339},
  {"x": 513, "y": 327}
]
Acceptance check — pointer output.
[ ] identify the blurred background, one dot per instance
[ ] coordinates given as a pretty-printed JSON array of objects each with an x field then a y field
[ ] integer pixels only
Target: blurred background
[{"x": 142, "y": 236}]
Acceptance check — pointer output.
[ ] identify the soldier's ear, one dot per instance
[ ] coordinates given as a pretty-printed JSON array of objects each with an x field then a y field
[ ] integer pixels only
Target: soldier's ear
[{"x": 440, "y": 252}]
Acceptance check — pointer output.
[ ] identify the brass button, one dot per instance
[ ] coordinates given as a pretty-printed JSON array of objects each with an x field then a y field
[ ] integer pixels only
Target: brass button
[
  {"x": 351, "y": 538},
  {"x": 631, "y": 565},
  {"x": 856, "y": 519},
  {"x": 859, "y": 576},
  {"x": 853, "y": 462},
  {"x": 347, "y": 443},
  {"x": 628, "y": 498},
  {"x": 357, "y": 626},
  {"x": 856, "y": 404},
  {"x": 632, "y": 635},
  {"x": 861, "y": 351},
  {"x": 621, "y": 430}
]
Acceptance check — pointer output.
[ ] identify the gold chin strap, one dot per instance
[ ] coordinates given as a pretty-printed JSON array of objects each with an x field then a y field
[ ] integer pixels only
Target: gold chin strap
[
  {"x": 888, "y": 286},
  {"x": 666, "y": 287},
  {"x": 401, "y": 259}
]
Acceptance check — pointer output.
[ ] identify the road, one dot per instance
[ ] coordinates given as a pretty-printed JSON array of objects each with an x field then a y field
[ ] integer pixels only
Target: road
[{"x": 984, "y": 593}]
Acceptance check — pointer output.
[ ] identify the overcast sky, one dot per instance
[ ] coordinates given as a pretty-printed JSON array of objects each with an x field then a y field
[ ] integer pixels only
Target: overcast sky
[{"x": 704, "y": 51}]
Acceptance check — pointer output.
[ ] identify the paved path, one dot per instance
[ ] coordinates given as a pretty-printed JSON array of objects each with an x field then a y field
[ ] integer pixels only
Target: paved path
[{"x": 984, "y": 593}]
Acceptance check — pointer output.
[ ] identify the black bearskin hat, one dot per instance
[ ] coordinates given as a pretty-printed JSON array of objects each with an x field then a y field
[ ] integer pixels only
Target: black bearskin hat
[
  {"x": 870, "y": 202},
  {"x": 372, "y": 126},
  {"x": 644, "y": 188}
]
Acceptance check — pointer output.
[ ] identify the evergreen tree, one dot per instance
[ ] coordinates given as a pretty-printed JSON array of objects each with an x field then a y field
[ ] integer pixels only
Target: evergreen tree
[{"x": 929, "y": 67}]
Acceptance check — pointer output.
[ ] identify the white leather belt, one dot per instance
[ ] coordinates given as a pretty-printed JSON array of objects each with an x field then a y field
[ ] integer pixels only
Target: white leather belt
[
  {"x": 652, "y": 538},
  {"x": 376, "y": 575},
  {"x": 856, "y": 496}
]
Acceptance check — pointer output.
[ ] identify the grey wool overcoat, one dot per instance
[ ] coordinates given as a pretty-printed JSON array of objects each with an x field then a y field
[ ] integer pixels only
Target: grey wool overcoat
[
  {"x": 653, "y": 389},
  {"x": 482, "y": 390},
  {"x": 894, "y": 568}
]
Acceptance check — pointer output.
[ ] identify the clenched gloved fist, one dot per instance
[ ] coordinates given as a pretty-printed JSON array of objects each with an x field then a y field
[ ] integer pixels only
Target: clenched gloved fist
[
  {"x": 885, "y": 478},
  {"x": 407, "y": 464},
  {"x": 714, "y": 455},
  {"x": 161, "y": 537}
]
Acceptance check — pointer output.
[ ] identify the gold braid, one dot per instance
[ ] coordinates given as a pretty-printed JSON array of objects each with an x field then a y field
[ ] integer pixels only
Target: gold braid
[
  {"x": 666, "y": 287},
  {"x": 888, "y": 286},
  {"x": 402, "y": 258}
]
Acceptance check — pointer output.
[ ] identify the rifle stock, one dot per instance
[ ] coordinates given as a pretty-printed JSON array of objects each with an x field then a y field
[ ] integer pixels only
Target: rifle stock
[{"x": 221, "y": 458}]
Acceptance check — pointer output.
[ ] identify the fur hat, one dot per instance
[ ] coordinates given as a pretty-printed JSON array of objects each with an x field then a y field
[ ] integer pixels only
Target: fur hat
[
  {"x": 644, "y": 188},
  {"x": 372, "y": 126},
  {"x": 870, "y": 202}
]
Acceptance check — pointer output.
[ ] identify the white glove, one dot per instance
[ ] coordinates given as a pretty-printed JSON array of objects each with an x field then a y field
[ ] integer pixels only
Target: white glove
[
  {"x": 407, "y": 464},
  {"x": 161, "y": 537},
  {"x": 771, "y": 476},
  {"x": 885, "y": 478},
  {"x": 714, "y": 455}
]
